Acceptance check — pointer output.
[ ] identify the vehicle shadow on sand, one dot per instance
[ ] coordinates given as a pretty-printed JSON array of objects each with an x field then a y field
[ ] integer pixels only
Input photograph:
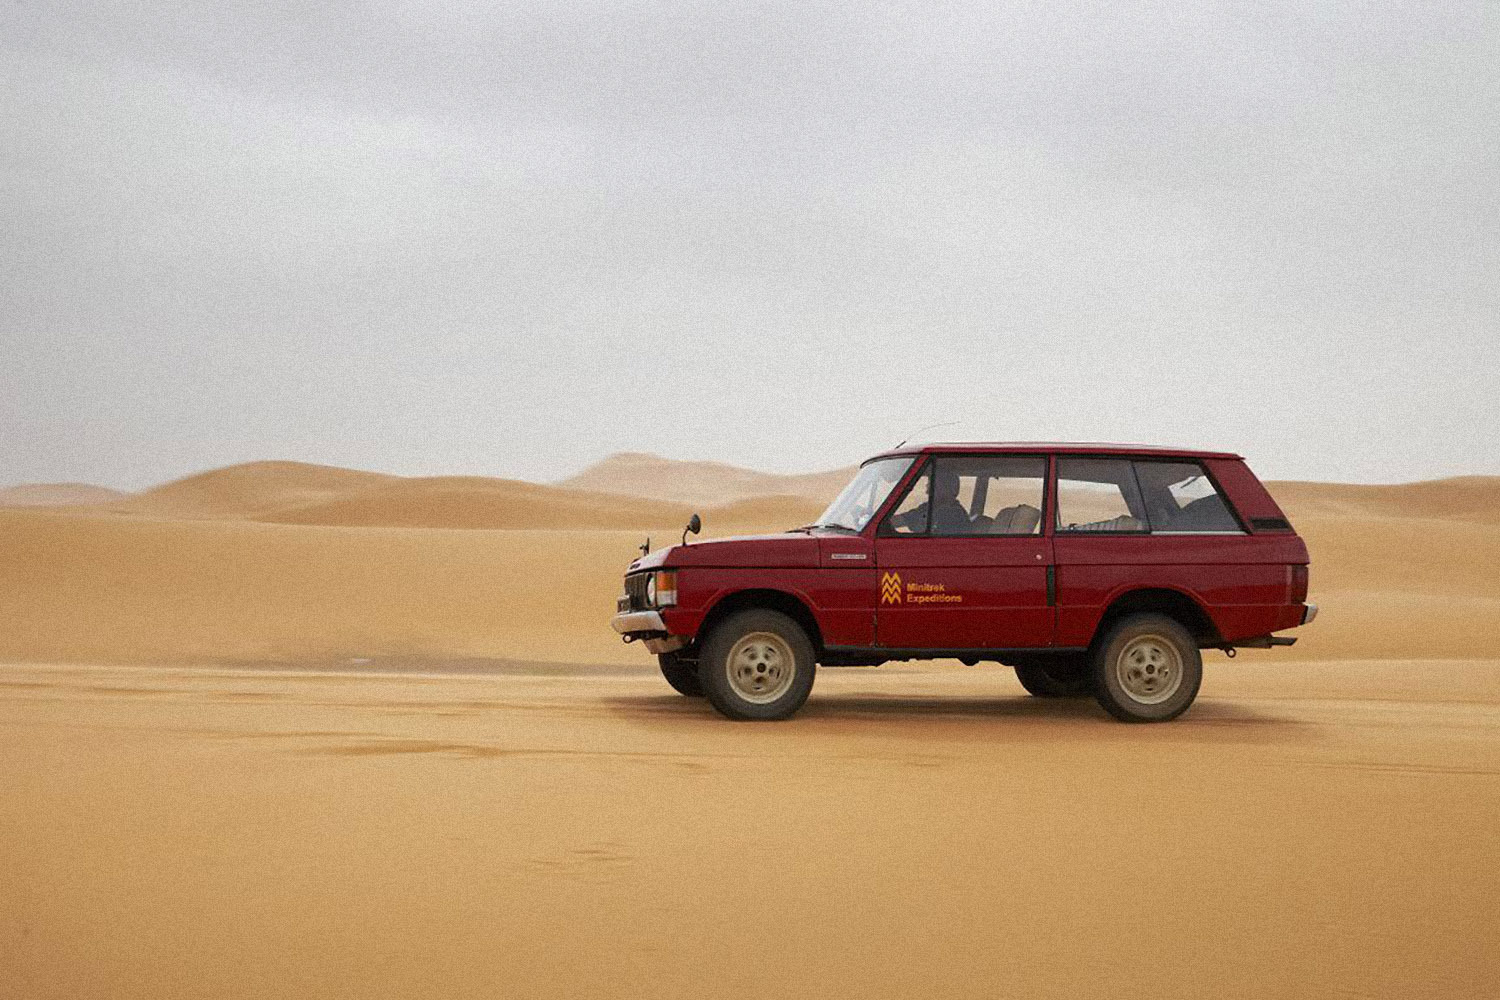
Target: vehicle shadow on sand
[{"x": 1211, "y": 720}]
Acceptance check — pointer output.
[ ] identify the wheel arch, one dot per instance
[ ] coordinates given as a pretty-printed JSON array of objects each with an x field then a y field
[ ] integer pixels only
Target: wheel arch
[
  {"x": 789, "y": 604},
  {"x": 1176, "y": 604}
]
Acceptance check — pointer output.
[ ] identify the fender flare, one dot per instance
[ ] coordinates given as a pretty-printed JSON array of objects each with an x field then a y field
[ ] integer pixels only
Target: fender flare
[
  {"x": 790, "y": 602},
  {"x": 1181, "y": 604}
]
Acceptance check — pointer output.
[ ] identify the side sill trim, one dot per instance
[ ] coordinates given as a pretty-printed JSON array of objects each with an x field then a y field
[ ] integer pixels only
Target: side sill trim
[{"x": 892, "y": 653}]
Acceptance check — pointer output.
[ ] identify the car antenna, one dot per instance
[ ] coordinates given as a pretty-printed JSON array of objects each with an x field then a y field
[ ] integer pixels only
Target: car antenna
[{"x": 929, "y": 427}]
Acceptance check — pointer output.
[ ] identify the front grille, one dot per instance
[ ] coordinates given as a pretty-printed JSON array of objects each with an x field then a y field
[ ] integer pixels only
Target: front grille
[{"x": 635, "y": 590}]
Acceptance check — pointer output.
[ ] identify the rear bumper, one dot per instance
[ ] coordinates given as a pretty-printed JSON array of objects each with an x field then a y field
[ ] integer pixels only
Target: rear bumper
[{"x": 1309, "y": 612}]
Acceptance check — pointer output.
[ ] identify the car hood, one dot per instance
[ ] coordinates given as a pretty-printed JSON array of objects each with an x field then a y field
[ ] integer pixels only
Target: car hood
[{"x": 787, "y": 548}]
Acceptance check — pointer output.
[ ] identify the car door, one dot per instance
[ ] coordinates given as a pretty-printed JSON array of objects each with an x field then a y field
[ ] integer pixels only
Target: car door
[
  {"x": 1101, "y": 541},
  {"x": 963, "y": 557}
]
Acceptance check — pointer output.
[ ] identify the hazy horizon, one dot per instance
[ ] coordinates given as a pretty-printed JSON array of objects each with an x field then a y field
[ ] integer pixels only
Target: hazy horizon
[
  {"x": 562, "y": 480},
  {"x": 444, "y": 240}
]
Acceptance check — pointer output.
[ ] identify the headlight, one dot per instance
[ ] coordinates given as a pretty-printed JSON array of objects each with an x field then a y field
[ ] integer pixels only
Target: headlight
[{"x": 661, "y": 589}]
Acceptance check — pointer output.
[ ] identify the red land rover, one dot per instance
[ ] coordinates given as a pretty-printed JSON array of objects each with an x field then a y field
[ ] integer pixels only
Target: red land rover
[{"x": 1089, "y": 568}]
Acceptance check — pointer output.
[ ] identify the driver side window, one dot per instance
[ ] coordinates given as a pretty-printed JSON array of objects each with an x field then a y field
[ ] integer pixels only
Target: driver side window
[
  {"x": 988, "y": 495},
  {"x": 957, "y": 496},
  {"x": 911, "y": 515}
]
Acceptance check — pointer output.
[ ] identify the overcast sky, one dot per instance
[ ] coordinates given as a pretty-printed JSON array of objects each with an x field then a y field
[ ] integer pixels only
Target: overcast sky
[{"x": 440, "y": 238}]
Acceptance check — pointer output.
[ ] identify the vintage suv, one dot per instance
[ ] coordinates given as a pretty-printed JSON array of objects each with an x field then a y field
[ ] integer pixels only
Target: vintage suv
[{"x": 1090, "y": 568}]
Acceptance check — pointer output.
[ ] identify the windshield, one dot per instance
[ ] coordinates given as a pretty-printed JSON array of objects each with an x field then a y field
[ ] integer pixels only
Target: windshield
[{"x": 862, "y": 498}]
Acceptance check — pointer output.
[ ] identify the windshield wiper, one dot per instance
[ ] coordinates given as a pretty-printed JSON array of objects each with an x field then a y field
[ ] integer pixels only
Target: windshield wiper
[{"x": 831, "y": 527}]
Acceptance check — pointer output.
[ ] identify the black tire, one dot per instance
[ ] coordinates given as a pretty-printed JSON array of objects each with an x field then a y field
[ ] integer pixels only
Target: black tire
[
  {"x": 1056, "y": 677},
  {"x": 757, "y": 665},
  {"x": 681, "y": 674},
  {"x": 1147, "y": 668}
]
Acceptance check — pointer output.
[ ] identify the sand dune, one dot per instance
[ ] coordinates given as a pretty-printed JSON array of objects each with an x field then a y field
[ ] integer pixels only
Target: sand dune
[
  {"x": 625, "y": 490},
  {"x": 763, "y": 512},
  {"x": 1401, "y": 587},
  {"x": 57, "y": 495},
  {"x": 95, "y": 587},
  {"x": 475, "y": 502},
  {"x": 299, "y": 493},
  {"x": 286, "y": 561},
  {"x": 1468, "y": 498},
  {"x": 706, "y": 484},
  {"x": 502, "y": 504},
  {"x": 248, "y": 490}
]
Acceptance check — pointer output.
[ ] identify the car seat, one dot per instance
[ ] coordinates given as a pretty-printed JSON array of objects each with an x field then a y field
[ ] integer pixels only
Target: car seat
[{"x": 1021, "y": 519}]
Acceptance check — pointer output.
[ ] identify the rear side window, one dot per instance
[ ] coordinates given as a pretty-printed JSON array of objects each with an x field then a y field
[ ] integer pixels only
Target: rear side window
[
  {"x": 1098, "y": 494},
  {"x": 1179, "y": 497}
]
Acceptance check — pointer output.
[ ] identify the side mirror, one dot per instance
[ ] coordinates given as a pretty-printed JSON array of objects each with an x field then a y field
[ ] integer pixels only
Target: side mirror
[{"x": 694, "y": 525}]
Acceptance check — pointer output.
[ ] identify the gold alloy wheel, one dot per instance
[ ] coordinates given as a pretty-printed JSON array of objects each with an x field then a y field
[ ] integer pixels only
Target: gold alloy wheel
[
  {"x": 1149, "y": 669},
  {"x": 761, "y": 667}
]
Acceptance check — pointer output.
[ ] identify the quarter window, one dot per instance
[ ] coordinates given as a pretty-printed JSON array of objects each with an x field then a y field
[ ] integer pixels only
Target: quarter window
[
  {"x": 1098, "y": 494},
  {"x": 1179, "y": 496}
]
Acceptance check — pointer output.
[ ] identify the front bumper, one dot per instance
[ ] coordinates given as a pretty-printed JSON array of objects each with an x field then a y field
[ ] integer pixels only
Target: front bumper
[
  {"x": 632, "y": 622},
  {"x": 1309, "y": 613},
  {"x": 648, "y": 627}
]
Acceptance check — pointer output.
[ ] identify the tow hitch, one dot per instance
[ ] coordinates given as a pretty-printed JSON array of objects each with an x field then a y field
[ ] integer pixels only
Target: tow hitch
[{"x": 1259, "y": 642}]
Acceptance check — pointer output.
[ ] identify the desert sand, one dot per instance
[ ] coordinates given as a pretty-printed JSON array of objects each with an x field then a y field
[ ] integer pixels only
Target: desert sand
[
  {"x": 1325, "y": 830},
  {"x": 284, "y": 730}
]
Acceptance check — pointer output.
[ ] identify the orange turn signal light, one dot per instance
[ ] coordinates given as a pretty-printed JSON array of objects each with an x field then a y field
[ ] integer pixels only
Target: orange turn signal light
[{"x": 666, "y": 588}]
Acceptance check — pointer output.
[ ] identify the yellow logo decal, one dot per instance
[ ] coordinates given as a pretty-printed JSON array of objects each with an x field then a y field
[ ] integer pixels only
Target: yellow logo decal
[{"x": 890, "y": 588}]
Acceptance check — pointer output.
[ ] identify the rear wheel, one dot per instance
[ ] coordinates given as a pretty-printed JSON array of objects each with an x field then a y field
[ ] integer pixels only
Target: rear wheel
[
  {"x": 1147, "y": 668},
  {"x": 681, "y": 674},
  {"x": 757, "y": 664},
  {"x": 1056, "y": 677}
]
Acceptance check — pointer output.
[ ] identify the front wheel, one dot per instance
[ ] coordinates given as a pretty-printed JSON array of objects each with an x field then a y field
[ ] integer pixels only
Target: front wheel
[
  {"x": 757, "y": 664},
  {"x": 681, "y": 674},
  {"x": 1147, "y": 668}
]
